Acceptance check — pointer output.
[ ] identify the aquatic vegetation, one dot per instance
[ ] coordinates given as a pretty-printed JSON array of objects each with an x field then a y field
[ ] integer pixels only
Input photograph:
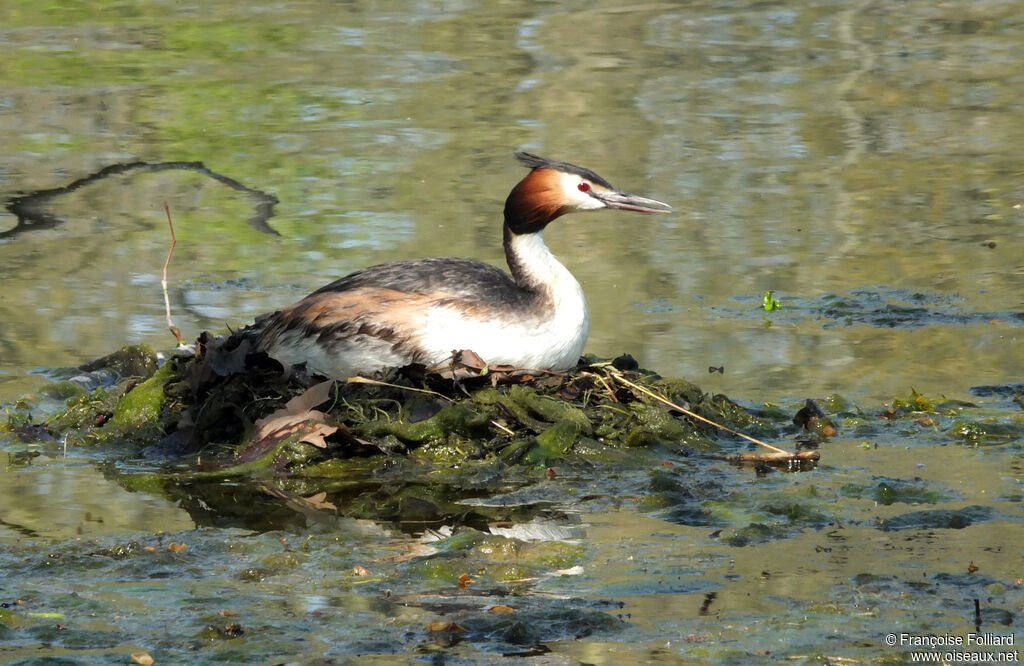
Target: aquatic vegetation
[
  {"x": 407, "y": 446},
  {"x": 482, "y": 473},
  {"x": 888, "y": 491}
]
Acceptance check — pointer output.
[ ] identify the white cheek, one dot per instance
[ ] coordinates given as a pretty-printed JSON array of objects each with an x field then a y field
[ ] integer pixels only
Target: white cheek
[{"x": 577, "y": 199}]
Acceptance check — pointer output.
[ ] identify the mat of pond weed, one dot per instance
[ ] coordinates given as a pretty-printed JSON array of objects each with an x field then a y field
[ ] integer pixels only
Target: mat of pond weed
[{"x": 485, "y": 513}]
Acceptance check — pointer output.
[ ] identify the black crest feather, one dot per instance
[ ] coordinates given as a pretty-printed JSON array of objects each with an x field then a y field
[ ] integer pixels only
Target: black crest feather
[{"x": 537, "y": 162}]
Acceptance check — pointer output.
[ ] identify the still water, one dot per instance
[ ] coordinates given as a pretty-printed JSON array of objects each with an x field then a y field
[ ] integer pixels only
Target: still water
[{"x": 859, "y": 159}]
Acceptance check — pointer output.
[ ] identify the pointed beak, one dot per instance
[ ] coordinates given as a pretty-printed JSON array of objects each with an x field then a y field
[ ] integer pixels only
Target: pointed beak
[{"x": 624, "y": 201}]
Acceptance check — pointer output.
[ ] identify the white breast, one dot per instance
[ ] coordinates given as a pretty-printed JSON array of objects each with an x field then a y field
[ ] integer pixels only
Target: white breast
[{"x": 546, "y": 339}]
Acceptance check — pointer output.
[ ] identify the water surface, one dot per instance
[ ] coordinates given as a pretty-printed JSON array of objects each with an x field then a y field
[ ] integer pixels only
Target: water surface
[{"x": 860, "y": 159}]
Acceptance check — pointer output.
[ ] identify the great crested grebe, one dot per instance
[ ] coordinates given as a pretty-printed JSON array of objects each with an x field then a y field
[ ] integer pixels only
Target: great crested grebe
[{"x": 421, "y": 310}]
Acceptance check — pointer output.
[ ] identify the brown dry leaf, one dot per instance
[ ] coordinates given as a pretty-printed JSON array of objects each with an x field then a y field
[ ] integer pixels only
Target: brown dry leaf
[
  {"x": 227, "y": 613},
  {"x": 469, "y": 359},
  {"x": 300, "y": 406},
  {"x": 277, "y": 426},
  {"x": 501, "y": 609},
  {"x": 296, "y": 415},
  {"x": 142, "y": 658},
  {"x": 273, "y": 429},
  {"x": 464, "y": 580},
  {"x": 316, "y": 434},
  {"x": 360, "y": 571},
  {"x": 314, "y": 396},
  {"x": 319, "y": 501},
  {"x": 444, "y": 626},
  {"x": 176, "y": 547},
  {"x": 151, "y": 549}
]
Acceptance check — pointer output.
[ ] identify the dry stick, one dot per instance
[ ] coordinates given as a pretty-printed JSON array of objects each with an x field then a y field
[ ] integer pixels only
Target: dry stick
[
  {"x": 784, "y": 456},
  {"x": 167, "y": 301},
  {"x": 696, "y": 416},
  {"x": 611, "y": 393},
  {"x": 376, "y": 382}
]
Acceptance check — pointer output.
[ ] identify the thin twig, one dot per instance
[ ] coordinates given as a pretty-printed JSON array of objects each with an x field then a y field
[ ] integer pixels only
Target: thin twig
[
  {"x": 377, "y": 382},
  {"x": 507, "y": 430},
  {"x": 676, "y": 407},
  {"x": 611, "y": 393},
  {"x": 167, "y": 301}
]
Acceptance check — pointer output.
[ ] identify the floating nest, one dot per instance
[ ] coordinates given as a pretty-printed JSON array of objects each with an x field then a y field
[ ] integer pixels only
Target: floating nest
[{"x": 228, "y": 427}]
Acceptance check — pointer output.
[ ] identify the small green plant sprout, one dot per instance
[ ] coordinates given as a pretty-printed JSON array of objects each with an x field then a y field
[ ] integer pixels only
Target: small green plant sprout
[{"x": 770, "y": 303}]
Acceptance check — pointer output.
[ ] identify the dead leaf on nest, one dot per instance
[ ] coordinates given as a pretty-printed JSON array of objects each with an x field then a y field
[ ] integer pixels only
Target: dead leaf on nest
[
  {"x": 316, "y": 434},
  {"x": 142, "y": 658},
  {"x": 303, "y": 403},
  {"x": 468, "y": 358},
  {"x": 463, "y": 364},
  {"x": 297, "y": 416},
  {"x": 314, "y": 396}
]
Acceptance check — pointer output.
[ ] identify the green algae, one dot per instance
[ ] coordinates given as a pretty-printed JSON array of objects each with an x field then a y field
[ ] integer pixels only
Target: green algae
[
  {"x": 130, "y": 361},
  {"x": 547, "y": 408},
  {"x": 64, "y": 390},
  {"x": 86, "y": 410},
  {"x": 141, "y": 406},
  {"x": 555, "y": 443},
  {"x": 129, "y": 408},
  {"x": 939, "y": 518},
  {"x": 495, "y": 559},
  {"x": 451, "y": 421},
  {"x": 985, "y": 432},
  {"x": 890, "y": 491}
]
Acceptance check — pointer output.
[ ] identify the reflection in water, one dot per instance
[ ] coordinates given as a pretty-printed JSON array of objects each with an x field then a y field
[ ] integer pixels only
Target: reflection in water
[
  {"x": 31, "y": 209},
  {"x": 59, "y": 498}
]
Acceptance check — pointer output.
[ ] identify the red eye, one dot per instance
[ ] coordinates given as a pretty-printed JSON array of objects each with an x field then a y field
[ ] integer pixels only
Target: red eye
[{"x": 583, "y": 187}]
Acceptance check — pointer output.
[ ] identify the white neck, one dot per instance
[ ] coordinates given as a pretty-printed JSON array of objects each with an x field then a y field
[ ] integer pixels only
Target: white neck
[
  {"x": 534, "y": 267},
  {"x": 548, "y": 335}
]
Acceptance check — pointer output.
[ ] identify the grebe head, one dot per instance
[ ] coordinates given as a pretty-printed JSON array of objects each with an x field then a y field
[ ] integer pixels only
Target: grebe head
[{"x": 554, "y": 188}]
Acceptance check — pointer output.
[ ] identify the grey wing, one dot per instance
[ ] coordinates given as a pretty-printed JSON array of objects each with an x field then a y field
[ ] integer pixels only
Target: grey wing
[{"x": 461, "y": 278}]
